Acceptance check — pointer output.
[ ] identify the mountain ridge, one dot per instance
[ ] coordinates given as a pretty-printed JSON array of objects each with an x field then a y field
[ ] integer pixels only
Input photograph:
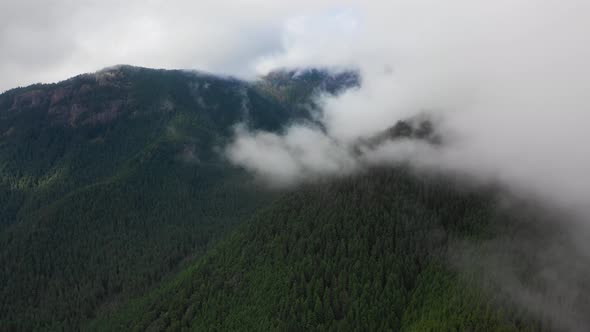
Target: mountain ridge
[
  {"x": 104, "y": 173},
  {"x": 120, "y": 213}
]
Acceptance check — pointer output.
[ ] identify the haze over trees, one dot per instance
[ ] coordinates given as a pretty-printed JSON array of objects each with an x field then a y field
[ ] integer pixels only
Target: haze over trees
[{"x": 120, "y": 211}]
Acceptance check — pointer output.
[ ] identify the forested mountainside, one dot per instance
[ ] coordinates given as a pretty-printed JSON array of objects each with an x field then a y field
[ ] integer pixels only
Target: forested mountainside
[
  {"x": 111, "y": 181},
  {"x": 119, "y": 212},
  {"x": 367, "y": 253}
]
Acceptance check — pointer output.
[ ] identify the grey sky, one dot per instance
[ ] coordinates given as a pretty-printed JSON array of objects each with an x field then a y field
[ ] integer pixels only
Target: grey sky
[
  {"x": 509, "y": 79},
  {"x": 50, "y": 40}
]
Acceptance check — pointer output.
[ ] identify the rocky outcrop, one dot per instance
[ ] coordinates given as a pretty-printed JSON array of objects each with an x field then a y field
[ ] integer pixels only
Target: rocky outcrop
[{"x": 88, "y": 99}]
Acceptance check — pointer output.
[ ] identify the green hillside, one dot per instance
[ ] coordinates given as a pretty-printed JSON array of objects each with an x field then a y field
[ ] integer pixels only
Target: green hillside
[
  {"x": 367, "y": 253},
  {"x": 111, "y": 181},
  {"x": 120, "y": 212}
]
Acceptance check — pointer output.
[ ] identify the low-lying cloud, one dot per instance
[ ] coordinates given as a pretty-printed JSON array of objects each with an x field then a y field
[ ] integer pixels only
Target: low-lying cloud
[
  {"x": 508, "y": 82},
  {"x": 301, "y": 153}
]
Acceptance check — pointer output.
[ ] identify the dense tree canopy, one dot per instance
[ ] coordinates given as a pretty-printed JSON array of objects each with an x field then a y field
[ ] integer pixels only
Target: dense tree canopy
[
  {"x": 366, "y": 253},
  {"x": 118, "y": 212}
]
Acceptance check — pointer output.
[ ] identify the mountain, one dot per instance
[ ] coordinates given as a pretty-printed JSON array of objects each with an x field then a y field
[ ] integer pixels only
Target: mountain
[
  {"x": 111, "y": 181},
  {"x": 120, "y": 212},
  {"x": 365, "y": 253}
]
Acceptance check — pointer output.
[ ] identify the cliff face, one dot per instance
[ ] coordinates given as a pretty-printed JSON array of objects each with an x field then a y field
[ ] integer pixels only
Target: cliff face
[
  {"x": 87, "y": 99},
  {"x": 102, "y": 97}
]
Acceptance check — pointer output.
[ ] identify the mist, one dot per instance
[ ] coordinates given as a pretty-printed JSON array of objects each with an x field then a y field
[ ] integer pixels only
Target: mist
[
  {"x": 506, "y": 82},
  {"x": 506, "y": 85}
]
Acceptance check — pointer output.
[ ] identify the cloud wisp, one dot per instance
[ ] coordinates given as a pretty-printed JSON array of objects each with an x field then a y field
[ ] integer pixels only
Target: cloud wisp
[
  {"x": 507, "y": 85},
  {"x": 48, "y": 41}
]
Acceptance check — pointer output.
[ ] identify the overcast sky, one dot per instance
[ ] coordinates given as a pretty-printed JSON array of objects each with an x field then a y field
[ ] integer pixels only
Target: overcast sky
[
  {"x": 50, "y": 40},
  {"x": 509, "y": 80}
]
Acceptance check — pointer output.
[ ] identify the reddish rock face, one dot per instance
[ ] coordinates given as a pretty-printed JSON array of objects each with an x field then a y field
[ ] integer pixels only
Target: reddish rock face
[
  {"x": 28, "y": 99},
  {"x": 60, "y": 94},
  {"x": 74, "y": 112},
  {"x": 73, "y": 104},
  {"x": 85, "y": 89},
  {"x": 109, "y": 113}
]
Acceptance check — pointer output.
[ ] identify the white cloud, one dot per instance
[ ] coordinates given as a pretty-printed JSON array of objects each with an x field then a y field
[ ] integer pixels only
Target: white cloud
[
  {"x": 508, "y": 84},
  {"x": 47, "y": 41},
  {"x": 303, "y": 152},
  {"x": 508, "y": 79}
]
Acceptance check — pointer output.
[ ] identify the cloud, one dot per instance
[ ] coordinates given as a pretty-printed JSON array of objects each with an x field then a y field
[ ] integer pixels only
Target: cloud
[
  {"x": 306, "y": 39},
  {"x": 301, "y": 153},
  {"x": 48, "y": 41},
  {"x": 508, "y": 81},
  {"x": 507, "y": 84}
]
